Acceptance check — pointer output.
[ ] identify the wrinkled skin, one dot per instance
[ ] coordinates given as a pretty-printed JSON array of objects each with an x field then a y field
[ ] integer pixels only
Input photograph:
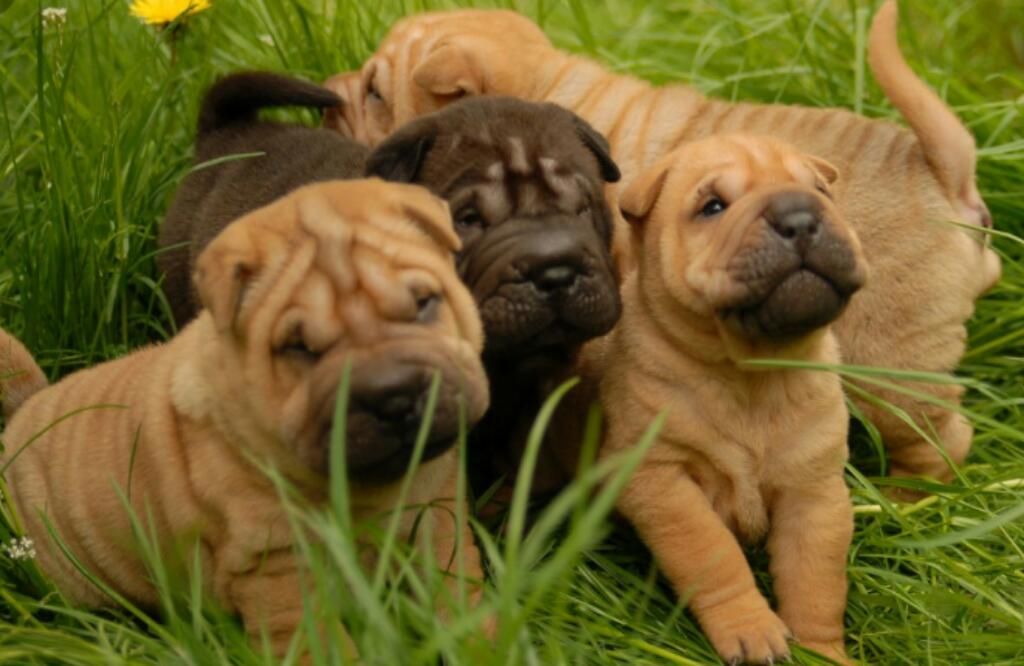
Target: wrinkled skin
[{"x": 524, "y": 183}]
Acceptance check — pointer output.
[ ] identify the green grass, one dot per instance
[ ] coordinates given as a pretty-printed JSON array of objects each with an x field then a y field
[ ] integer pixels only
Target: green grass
[{"x": 96, "y": 121}]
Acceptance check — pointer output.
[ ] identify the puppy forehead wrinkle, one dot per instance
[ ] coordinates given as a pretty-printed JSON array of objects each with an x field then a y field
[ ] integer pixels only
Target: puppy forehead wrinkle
[
  {"x": 559, "y": 184},
  {"x": 316, "y": 299},
  {"x": 416, "y": 48},
  {"x": 496, "y": 171},
  {"x": 361, "y": 320},
  {"x": 333, "y": 236},
  {"x": 493, "y": 199},
  {"x": 378, "y": 279},
  {"x": 733, "y": 182},
  {"x": 800, "y": 171},
  {"x": 518, "y": 162},
  {"x": 403, "y": 251},
  {"x": 383, "y": 76},
  {"x": 756, "y": 153}
]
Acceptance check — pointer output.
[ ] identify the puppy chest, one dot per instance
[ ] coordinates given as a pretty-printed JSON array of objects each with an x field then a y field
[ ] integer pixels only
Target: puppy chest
[
  {"x": 737, "y": 498},
  {"x": 737, "y": 462},
  {"x": 749, "y": 460}
]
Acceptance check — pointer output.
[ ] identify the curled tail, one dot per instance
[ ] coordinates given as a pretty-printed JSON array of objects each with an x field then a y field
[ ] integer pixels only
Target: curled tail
[
  {"x": 948, "y": 146},
  {"x": 237, "y": 99},
  {"x": 20, "y": 375}
]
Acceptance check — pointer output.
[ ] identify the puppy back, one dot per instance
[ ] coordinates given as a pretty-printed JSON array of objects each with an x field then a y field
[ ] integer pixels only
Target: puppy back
[{"x": 237, "y": 99}]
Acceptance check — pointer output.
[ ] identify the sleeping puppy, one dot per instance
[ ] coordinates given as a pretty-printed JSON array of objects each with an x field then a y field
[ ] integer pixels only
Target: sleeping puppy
[
  {"x": 742, "y": 254},
  {"x": 899, "y": 190},
  {"x": 259, "y": 161},
  {"x": 524, "y": 182},
  {"x": 358, "y": 272}
]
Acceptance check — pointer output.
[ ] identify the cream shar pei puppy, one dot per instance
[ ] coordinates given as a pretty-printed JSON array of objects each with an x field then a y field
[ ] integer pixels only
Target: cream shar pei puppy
[
  {"x": 743, "y": 254},
  {"x": 357, "y": 271}
]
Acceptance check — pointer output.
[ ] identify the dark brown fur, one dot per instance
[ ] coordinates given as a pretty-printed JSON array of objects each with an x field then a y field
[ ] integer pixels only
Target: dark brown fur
[
  {"x": 536, "y": 244},
  {"x": 212, "y": 197}
]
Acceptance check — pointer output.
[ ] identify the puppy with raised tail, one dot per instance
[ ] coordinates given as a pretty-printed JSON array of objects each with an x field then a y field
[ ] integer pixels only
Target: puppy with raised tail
[
  {"x": 358, "y": 272},
  {"x": 900, "y": 189},
  {"x": 742, "y": 254},
  {"x": 242, "y": 163}
]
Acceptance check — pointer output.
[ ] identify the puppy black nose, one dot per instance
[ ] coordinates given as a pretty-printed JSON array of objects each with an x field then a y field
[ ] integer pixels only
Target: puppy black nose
[
  {"x": 394, "y": 392},
  {"x": 794, "y": 217},
  {"x": 557, "y": 276},
  {"x": 795, "y": 225}
]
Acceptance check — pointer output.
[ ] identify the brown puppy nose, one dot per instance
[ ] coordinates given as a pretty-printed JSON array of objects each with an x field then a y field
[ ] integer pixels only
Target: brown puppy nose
[
  {"x": 795, "y": 217},
  {"x": 394, "y": 392},
  {"x": 554, "y": 259}
]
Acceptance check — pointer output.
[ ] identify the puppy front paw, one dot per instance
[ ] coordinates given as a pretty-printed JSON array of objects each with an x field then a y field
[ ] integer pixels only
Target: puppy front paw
[
  {"x": 745, "y": 630},
  {"x": 834, "y": 650}
]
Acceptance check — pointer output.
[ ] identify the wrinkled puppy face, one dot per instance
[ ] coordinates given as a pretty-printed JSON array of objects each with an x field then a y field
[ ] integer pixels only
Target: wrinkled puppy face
[
  {"x": 743, "y": 229},
  {"x": 524, "y": 182},
  {"x": 430, "y": 60},
  {"x": 356, "y": 272}
]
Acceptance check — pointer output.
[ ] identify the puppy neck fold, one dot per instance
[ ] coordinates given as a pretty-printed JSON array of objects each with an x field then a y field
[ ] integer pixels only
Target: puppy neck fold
[{"x": 704, "y": 339}]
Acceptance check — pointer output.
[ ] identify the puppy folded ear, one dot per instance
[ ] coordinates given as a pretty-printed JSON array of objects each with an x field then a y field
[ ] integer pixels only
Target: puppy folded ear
[
  {"x": 224, "y": 271},
  {"x": 450, "y": 69},
  {"x": 434, "y": 218},
  {"x": 400, "y": 158},
  {"x": 824, "y": 169},
  {"x": 597, "y": 144},
  {"x": 637, "y": 200}
]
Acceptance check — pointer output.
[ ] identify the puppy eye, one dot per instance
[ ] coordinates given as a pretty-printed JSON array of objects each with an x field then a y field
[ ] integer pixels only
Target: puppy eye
[
  {"x": 427, "y": 308},
  {"x": 469, "y": 218},
  {"x": 295, "y": 347},
  {"x": 824, "y": 190},
  {"x": 713, "y": 207}
]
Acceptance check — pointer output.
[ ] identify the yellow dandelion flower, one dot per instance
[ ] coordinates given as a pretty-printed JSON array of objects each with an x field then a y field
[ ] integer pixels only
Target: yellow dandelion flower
[{"x": 162, "y": 12}]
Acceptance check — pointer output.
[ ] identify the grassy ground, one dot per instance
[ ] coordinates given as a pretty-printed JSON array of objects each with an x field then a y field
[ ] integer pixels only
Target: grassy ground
[{"x": 95, "y": 126}]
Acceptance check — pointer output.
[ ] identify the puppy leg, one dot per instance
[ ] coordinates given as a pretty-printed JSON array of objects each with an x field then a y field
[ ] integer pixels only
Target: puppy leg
[
  {"x": 809, "y": 540},
  {"x": 269, "y": 599},
  {"x": 704, "y": 563},
  {"x": 919, "y": 457},
  {"x": 910, "y": 455}
]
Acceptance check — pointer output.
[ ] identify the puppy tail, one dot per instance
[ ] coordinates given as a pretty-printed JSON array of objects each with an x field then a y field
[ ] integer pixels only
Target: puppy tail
[
  {"x": 948, "y": 146},
  {"x": 20, "y": 375},
  {"x": 237, "y": 99}
]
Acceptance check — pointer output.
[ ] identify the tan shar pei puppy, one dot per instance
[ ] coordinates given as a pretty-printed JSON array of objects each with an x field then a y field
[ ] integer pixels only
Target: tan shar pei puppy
[
  {"x": 743, "y": 254},
  {"x": 899, "y": 189},
  {"x": 358, "y": 271}
]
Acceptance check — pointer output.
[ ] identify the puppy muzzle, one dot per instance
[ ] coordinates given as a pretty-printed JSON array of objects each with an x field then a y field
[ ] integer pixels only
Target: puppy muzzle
[
  {"x": 388, "y": 402},
  {"x": 801, "y": 274},
  {"x": 541, "y": 287}
]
